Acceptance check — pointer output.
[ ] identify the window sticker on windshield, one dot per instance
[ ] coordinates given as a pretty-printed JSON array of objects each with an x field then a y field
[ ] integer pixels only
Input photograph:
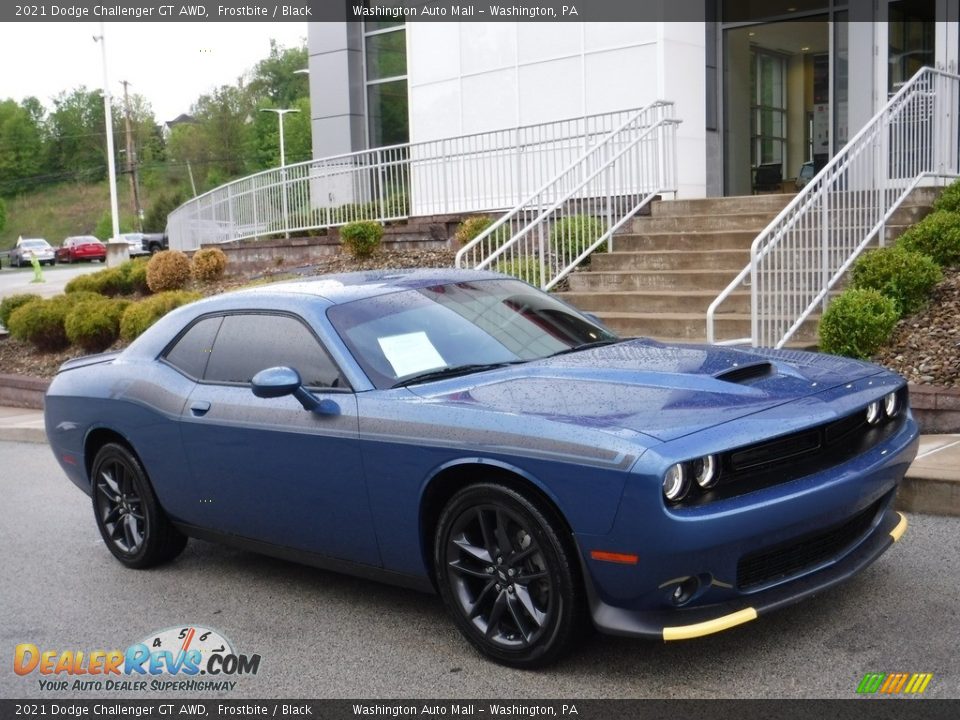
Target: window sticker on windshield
[{"x": 410, "y": 353}]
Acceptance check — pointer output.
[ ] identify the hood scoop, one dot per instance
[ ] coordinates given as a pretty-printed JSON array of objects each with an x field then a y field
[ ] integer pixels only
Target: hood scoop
[{"x": 743, "y": 374}]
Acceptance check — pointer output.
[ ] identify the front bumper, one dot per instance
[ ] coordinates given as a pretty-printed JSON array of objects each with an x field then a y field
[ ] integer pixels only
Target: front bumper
[
  {"x": 693, "y": 622},
  {"x": 731, "y": 560}
]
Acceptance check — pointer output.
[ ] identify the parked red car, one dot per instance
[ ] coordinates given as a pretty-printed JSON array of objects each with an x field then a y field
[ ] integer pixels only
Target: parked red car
[{"x": 81, "y": 247}]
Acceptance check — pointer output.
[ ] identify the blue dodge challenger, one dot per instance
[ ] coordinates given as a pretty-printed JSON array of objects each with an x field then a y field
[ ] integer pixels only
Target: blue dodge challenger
[{"x": 465, "y": 433}]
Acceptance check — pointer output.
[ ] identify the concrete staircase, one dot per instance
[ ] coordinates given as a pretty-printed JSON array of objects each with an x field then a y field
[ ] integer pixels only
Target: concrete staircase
[{"x": 666, "y": 270}]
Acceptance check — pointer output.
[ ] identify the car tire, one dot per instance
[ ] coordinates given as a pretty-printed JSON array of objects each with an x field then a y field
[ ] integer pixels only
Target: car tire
[
  {"x": 507, "y": 576},
  {"x": 131, "y": 521}
]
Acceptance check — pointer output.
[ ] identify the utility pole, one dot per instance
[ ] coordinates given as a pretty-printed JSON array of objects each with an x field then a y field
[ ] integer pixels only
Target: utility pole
[{"x": 132, "y": 159}]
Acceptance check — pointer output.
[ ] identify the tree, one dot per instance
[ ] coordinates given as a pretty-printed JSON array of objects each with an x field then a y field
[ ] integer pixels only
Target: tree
[
  {"x": 3, "y": 215},
  {"x": 78, "y": 143},
  {"x": 21, "y": 146},
  {"x": 274, "y": 81}
]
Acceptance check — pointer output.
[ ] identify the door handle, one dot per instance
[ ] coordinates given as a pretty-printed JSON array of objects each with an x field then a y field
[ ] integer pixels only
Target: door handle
[{"x": 200, "y": 408}]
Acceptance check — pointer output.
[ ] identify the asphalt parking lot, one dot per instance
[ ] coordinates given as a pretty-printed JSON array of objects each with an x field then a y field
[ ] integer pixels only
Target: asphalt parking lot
[
  {"x": 19, "y": 280},
  {"x": 322, "y": 635}
]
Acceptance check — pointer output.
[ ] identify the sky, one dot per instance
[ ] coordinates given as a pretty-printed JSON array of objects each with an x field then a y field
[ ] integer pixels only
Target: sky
[{"x": 170, "y": 64}]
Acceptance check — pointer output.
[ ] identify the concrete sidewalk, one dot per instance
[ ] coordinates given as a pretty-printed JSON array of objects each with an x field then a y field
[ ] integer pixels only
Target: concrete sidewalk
[{"x": 932, "y": 484}]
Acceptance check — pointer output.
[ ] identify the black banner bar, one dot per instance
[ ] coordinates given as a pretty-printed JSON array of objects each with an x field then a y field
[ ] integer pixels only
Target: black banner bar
[
  {"x": 422, "y": 11},
  {"x": 875, "y": 708}
]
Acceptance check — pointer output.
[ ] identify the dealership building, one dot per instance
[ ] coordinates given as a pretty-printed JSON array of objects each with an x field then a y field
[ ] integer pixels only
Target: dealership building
[{"x": 775, "y": 85}]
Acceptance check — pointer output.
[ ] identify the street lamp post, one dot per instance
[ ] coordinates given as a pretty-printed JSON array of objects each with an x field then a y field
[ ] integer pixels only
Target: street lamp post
[
  {"x": 108, "y": 117},
  {"x": 283, "y": 165}
]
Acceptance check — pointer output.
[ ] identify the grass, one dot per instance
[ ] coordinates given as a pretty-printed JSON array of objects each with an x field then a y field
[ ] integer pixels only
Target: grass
[{"x": 72, "y": 208}]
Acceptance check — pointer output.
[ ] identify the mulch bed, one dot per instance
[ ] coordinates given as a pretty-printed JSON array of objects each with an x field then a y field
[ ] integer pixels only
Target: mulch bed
[{"x": 925, "y": 347}]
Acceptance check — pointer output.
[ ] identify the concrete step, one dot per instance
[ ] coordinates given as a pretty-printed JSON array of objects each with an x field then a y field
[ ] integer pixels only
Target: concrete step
[
  {"x": 607, "y": 281},
  {"x": 769, "y": 204},
  {"x": 655, "y": 301},
  {"x": 702, "y": 223},
  {"x": 692, "y": 325},
  {"x": 722, "y": 240},
  {"x": 717, "y": 260}
]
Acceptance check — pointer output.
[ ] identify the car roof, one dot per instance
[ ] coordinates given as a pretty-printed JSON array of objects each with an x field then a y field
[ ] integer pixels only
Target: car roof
[
  {"x": 346, "y": 287},
  {"x": 27, "y": 240}
]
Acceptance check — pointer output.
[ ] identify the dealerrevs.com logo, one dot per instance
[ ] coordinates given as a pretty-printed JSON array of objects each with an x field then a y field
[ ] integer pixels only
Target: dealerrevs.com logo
[{"x": 170, "y": 659}]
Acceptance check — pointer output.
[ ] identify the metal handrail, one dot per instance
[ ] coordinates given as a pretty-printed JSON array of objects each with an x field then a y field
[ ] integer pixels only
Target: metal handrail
[
  {"x": 470, "y": 173},
  {"x": 560, "y": 224},
  {"x": 805, "y": 251}
]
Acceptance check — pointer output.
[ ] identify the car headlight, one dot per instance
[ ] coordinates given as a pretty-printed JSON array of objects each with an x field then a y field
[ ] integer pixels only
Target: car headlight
[
  {"x": 706, "y": 471},
  {"x": 891, "y": 405},
  {"x": 675, "y": 482},
  {"x": 873, "y": 413}
]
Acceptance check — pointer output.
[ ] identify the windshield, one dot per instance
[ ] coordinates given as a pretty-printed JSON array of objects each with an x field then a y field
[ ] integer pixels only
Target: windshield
[
  {"x": 35, "y": 244},
  {"x": 481, "y": 323}
]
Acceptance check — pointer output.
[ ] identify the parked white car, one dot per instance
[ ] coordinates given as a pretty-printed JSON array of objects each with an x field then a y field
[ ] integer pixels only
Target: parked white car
[
  {"x": 28, "y": 248},
  {"x": 134, "y": 240}
]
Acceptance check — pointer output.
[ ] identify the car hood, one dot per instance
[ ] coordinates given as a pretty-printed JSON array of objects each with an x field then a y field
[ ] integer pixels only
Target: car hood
[{"x": 662, "y": 391}]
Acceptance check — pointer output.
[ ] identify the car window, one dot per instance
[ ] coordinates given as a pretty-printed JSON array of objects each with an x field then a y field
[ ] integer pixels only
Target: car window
[
  {"x": 486, "y": 322},
  {"x": 192, "y": 351},
  {"x": 249, "y": 343}
]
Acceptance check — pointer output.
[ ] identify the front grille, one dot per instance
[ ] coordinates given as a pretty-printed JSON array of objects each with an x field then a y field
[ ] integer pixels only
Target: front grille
[
  {"x": 781, "y": 562},
  {"x": 799, "y": 454}
]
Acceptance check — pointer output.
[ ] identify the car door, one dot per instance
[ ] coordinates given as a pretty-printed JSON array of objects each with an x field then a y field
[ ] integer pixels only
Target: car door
[{"x": 267, "y": 469}]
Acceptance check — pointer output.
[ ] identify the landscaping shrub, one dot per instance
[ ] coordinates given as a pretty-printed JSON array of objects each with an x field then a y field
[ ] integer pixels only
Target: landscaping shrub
[
  {"x": 526, "y": 269},
  {"x": 903, "y": 275},
  {"x": 470, "y": 228},
  {"x": 949, "y": 199},
  {"x": 361, "y": 238},
  {"x": 570, "y": 236},
  {"x": 41, "y": 323},
  {"x": 125, "y": 279},
  {"x": 84, "y": 283},
  {"x": 94, "y": 324},
  {"x": 11, "y": 303},
  {"x": 857, "y": 323},
  {"x": 937, "y": 235},
  {"x": 208, "y": 264},
  {"x": 140, "y": 315},
  {"x": 168, "y": 270}
]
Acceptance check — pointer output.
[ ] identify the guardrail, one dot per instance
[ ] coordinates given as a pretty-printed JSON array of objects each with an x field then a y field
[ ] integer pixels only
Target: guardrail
[
  {"x": 467, "y": 174},
  {"x": 555, "y": 228},
  {"x": 797, "y": 260}
]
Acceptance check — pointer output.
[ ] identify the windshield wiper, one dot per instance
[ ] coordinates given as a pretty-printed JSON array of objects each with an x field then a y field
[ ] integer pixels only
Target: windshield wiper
[
  {"x": 453, "y": 371},
  {"x": 586, "y": 346}
]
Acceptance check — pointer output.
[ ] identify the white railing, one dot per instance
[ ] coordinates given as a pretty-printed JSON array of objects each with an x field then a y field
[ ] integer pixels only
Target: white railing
[
  {"x": 555, "y": 228},
  {"x": 466, "y": 174},
  {"x": 798, "y": 259}
]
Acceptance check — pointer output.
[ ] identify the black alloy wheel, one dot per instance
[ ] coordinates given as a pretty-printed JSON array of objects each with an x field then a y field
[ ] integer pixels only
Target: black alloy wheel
[
  {"x": 507, "y": 577},
  {"x": 131, "y": 522}
]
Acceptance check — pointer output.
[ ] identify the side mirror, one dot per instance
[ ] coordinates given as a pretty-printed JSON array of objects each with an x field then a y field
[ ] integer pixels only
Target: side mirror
[
  {"x": 276, "y": 382},
  {"x": 280, "y": 381}
]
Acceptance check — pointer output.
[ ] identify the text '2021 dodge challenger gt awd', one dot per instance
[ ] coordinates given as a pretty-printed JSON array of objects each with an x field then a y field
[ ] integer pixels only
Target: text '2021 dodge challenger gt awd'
[{"x": 465, "y": 433}]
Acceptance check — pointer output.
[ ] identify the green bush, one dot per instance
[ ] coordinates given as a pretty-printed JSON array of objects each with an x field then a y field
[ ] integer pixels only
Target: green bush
[
  {"x": 208, "y": 264},
  {"x": 41, "y": 323},
  {"x": 525, "y": 268},
  {"x": 570, "y": 236},
  {"x": 104, "y": 227},
  {"x": 156, "y": 218},
  {"x": 937, "y": 235},
  {"x": 949, "y": 199},
  {"x": 857, "y": 323},
  {"x": 94, "y": 325},
  {"x": 141, "y": 315},
  {"x": 125, "y": 279},
  {"x": 12, "y": 302},
  {"x": 168, "y": 270},
  {"x": 903, "y": 275},
  {"x": 362, "y": 238},
  {"x": 470, "y": 228}
]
